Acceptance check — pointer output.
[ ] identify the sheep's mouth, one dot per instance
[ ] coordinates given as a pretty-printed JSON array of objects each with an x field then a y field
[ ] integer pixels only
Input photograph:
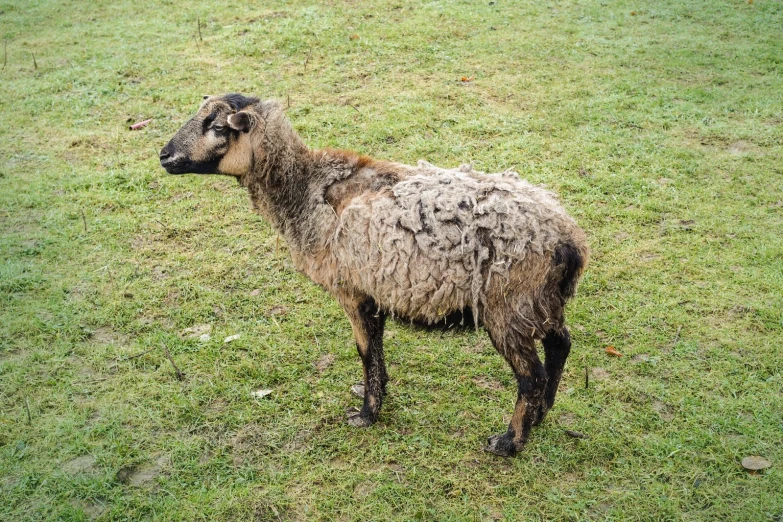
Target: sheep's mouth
[{"x": 189, "y": 167}]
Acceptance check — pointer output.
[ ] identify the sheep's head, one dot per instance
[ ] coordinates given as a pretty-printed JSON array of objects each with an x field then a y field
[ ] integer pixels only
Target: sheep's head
[{"x": 215, "y": 140}]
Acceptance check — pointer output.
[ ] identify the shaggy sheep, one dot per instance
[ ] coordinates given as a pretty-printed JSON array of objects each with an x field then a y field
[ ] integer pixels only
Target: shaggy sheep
[{"x": 422, "y": 243}]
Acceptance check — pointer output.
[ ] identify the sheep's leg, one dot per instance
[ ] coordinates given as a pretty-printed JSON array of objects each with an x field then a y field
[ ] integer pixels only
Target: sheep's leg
[
  {"x": 531, "y": 381},
  {"x": 367, "y": 323},
  {"x": 557, "y": 346}
]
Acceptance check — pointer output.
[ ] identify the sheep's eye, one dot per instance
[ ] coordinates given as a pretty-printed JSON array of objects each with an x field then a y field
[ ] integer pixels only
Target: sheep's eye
[{"x": 218, "y": 128}]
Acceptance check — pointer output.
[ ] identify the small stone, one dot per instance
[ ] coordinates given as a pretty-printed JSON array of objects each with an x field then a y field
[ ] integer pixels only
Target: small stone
[
  {"x": 260, "y": 394},
  {"x": 204, "y": 338},
  {"x": 755, "y": 463},
  {"x": 232, "y": 338},
  {"x": 357, "y": 390}
]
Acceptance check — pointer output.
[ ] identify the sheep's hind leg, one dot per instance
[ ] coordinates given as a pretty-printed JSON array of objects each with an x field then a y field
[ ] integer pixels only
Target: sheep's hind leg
[
  {"x": 531, "y": 380},
  {"x": 557, "y": 346},
  {"x": 367, "y": 323}
]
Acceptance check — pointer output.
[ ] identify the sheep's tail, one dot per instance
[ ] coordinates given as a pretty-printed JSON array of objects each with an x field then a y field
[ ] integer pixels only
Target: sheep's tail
[{"x": 573, "y": 259}]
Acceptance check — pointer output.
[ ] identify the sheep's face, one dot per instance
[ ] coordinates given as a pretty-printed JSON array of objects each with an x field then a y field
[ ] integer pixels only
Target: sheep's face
[{"x": 214, "y": 141}]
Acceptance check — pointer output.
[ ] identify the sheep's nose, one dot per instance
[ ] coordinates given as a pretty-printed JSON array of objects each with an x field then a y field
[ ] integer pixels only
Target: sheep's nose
[{"x": 164, "y": 154}]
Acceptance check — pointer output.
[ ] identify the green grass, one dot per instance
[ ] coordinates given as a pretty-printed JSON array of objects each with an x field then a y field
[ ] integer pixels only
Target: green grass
[{"x": 660, "y": 124}]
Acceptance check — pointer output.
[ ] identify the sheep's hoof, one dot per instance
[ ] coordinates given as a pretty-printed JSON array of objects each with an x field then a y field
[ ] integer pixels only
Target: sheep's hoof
[
  {"x": 355, "y": 419},
  {"x": 501, "y": 445}
]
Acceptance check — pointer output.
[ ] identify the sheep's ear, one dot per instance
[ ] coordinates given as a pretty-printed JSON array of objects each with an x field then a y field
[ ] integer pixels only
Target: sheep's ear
[
  {"x": 205, "y": 96},
  {"x": 240, "y": 121}
]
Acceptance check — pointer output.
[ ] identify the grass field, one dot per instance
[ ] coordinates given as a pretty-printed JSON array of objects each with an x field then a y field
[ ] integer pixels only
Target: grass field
[{"x": 659, "y": 124}]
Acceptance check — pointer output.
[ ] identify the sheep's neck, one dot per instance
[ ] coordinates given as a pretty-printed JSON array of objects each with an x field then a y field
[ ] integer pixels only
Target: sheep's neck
[{"x": 281, "y": 187}]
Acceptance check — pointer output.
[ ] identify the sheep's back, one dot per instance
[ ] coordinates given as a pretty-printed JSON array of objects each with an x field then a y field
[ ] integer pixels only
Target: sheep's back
[{"x": 434, "y": 242}]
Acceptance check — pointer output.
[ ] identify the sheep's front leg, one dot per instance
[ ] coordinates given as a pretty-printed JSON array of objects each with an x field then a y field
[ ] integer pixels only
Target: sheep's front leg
[{"x": 367, "y": 323}]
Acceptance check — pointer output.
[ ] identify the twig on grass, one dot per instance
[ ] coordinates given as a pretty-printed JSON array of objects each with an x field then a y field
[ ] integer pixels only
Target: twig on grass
[
  {"x": 84, "y": 220},
  {"x": 27, "y": 409},
  {"x": 198, "y": 24},
  {"x": 135, "y": 356},
  {"x": 5, "y": 53},
  {"x": 180, "y": 375},
  {"x": 676, "y": 337},
  {"x": 354, "y": 108},
  {"x": 35, "y": 64},
  {"x": 307, "y": 60},
  {"x": 587, "y": 379}
]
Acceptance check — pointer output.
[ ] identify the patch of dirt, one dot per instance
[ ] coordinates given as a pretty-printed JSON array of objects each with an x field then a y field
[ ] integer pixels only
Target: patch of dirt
[
  {"x": 194, "y": 332},
  {"x": 480, "y": 347},
  {"x": 663, "y": 409},
  {"x": 141, "y": 476},
  {"x": 339, "y": 463},
  {"x": 495, "y": 513},
  {"x": 160, "y": 272},
  {"x": 324, "y": 362},
  {"x": 397, "y": 471},
  {"x": 599, "y": 374},
  {"x": 251, "y": 443},
  {"x": 741, "y": 147},
  {"x": 92, "y": 508},
  {"x": 487, "y": 384},
  {"x": 567, "y": 419},
  {"x": 299, "y": 441},
  {"x": 83, "y": 464},
  {"x": 181, "y": 196},
  {"x": 277, "y": 311},
  {"x": 363, "y": 490},
  {"x": 648, "y": 256},
  {"x": 105, "y": 335},
  {"x": 640, "y": 358},
  {"x": 390, "y": 334}
]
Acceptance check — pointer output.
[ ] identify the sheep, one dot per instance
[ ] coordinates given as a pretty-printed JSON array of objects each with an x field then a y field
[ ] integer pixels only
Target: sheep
[{"x": 419, "y": 243}]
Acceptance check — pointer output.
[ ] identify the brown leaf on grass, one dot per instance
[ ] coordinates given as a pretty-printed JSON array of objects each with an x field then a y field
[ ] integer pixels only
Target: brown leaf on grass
[
  {"x": 755, "y": 463},
  {"x": 611, "y": 350},
  {"x": 277, "y": 310},
  {"x": 324, "y": 362},
  {"x": 467, "y": 78},
  {"x": 140, "y": 125},
  {"x": 487, "y": 384},
  {"x": 354, "y": 37}
]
